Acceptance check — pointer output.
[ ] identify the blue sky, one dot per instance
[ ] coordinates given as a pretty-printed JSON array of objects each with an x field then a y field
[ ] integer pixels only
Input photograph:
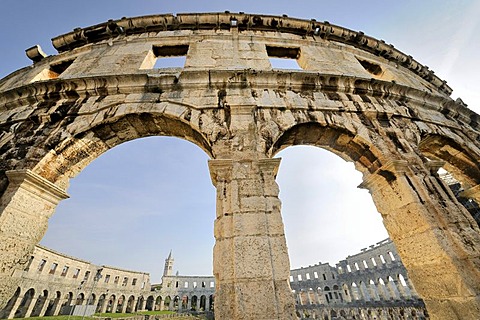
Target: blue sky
[{"x": 145, "y": 197}]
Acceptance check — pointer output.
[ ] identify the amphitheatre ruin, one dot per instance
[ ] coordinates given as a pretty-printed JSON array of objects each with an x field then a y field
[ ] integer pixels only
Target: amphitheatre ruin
[{"x": 354, "y": 95}]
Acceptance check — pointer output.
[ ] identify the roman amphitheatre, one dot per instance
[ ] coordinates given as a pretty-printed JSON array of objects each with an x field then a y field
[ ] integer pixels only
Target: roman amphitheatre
[{"x": 355, "y": 95}]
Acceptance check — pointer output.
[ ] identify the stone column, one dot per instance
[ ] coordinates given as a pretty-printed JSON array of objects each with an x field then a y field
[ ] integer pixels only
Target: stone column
[
  {"x": 44, "y": 307},
  {"x": 437, "y": 239},
  {"x": 103, "y": 309},
  {"x": 58, "y": 306},
  {"x": 15, "y": 307},
  {"x": 25, "y": 207},
  {"x": 124, "y": 306},
  {"x": 114, "y": 305},
  {"x": 30, "y": 307},
  {"x": 382, "y": 291},
  {"x": 141, "y": 305},
  {"x": 251, "y": 263}
]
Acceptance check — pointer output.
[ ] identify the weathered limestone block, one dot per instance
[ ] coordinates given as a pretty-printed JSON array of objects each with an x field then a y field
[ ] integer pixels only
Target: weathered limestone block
[
  {"x": 247, "y": 204},
  {"x": 444, "y": 269},
  {"x": 25, "y": 208},
  {"x": 103, "y": 89}
]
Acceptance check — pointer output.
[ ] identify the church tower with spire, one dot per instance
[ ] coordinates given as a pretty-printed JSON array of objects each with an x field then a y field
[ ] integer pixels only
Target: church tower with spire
[{"x": 168, "y": 269}]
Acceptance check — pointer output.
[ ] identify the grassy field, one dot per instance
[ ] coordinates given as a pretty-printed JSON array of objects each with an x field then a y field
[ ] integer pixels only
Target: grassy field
[{"x": 102, "y": 315}]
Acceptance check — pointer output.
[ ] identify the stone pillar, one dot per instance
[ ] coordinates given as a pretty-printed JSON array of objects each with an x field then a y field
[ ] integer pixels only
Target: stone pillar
[
  {"x": 411, "y": 288},
  {"x": 58, "y": 306},
  {"x": 114, "y": 305},
  {"x": 251, "y": 263},
  {"x": 401, "y": 289},
  {"x": 124, "y": 306},
  {"x": 141, "y": 305},
  {"x": 25, "y": 207},
  {"x": 15, "y": 307},
  {"x": 44, "y": 307},
  {"x": 103, "y": 309},
  {"x": 437, "y": 239},
  {"x": 162, "y": 305},
  {"x": 30, "y": 307},
  {"x": 381, "y": 291}
]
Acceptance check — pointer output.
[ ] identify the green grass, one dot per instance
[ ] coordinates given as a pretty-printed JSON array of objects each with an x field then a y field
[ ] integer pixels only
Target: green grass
[
  {"x": 155, "y": 312},
  {"x": 103, "y": 315}
]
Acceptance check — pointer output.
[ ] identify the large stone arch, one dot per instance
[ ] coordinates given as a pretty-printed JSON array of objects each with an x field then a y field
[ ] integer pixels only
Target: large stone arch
[
  {"x": 349, "y": 146},
  {"x": 374, "y": 102},
  {"x": 461, "y": 159}
]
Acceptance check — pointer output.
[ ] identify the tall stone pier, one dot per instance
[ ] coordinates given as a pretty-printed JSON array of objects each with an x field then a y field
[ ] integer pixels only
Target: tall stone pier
[{"x": 351, "y": 94}]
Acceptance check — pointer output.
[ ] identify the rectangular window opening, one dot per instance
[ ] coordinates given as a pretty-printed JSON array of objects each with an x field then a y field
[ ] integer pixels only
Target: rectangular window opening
[
  {"x": 64, "y": 271},
  {"x": 41, "y": 265},
  {"x": 170, "y": 56},
  {"x": 53, "y": 268},
  {"x": 27, "y": 267},
  {"x": 53, "y": 72},
  {"x": 284, "y": 57}
]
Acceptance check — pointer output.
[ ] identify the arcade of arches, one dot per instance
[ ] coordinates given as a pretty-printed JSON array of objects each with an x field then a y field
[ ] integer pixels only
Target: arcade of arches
[{"x": 356, "y": 96}]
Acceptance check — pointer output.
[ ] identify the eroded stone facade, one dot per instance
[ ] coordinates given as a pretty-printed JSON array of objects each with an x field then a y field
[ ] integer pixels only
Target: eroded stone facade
[
  {"x": 52, "y": 283},
  {"x": 354, "y": 95}
]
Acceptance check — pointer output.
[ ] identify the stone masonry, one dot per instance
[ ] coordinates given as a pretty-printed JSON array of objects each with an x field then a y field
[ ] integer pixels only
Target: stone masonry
[
  {"x": 370, "y": 284},
  {"x": 354, "y": 95}
]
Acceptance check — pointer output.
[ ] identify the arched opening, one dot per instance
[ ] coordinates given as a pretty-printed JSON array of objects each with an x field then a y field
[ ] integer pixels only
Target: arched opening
[
  {"x": 53, "y": 304},
  {"x": 203, "y": 303},
  {"x": 313, "y": 195},
  {"x": 159, "y": 304},
  {"x": 211, "y": 302},
  {"x": 130, "y": 305},
  {"x": 173, "y": 205},
  {"x": 41, "y": 300},
  {"x": 111, "y": 304},
  {"x": 140, "y": 304},
  {"x": 101, "y": 303},
  {"x": 185, "y": 302},
  {"x": 120, "y": 304},
  {"x": 5, "y": 312},
  {"x": 150, "y": 305},
  {"x": 25, "y": 303},
  {"x": 168, "y": 303}
]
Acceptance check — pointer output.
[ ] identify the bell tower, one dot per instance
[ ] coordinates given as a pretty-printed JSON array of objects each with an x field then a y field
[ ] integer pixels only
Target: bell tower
[{"x": 168, "y": 269}]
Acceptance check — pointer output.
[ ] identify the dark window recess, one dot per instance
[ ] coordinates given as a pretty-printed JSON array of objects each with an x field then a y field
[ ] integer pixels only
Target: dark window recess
[
  {"x": 170, "y": 51},
  {"x": 170, "y": 56},
  {"x": 283, "y": 58},
  {"x": 371, "y": 67},
  {"x": 59, "y": 68},
  {"x": 282, "y": 52}
]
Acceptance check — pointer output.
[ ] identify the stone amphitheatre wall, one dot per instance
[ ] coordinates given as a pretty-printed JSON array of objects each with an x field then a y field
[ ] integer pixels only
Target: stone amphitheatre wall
[
  {"x": 371, "y": 284},
  {"x": 353, "y": 95},
  {"x": 52, "y": 280}
]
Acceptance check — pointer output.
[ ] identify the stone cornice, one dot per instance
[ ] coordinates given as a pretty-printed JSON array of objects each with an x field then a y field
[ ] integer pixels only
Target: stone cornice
[
  {"x": 256, "y": 22},
  {"x": 375, "y": 180},
  {"x": 190, "y": 79},
  {"x": 37, "y": 185}
]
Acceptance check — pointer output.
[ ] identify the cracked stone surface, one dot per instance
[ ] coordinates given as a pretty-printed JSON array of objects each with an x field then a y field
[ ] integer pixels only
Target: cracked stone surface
[{"x": 353, "y": 95}]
